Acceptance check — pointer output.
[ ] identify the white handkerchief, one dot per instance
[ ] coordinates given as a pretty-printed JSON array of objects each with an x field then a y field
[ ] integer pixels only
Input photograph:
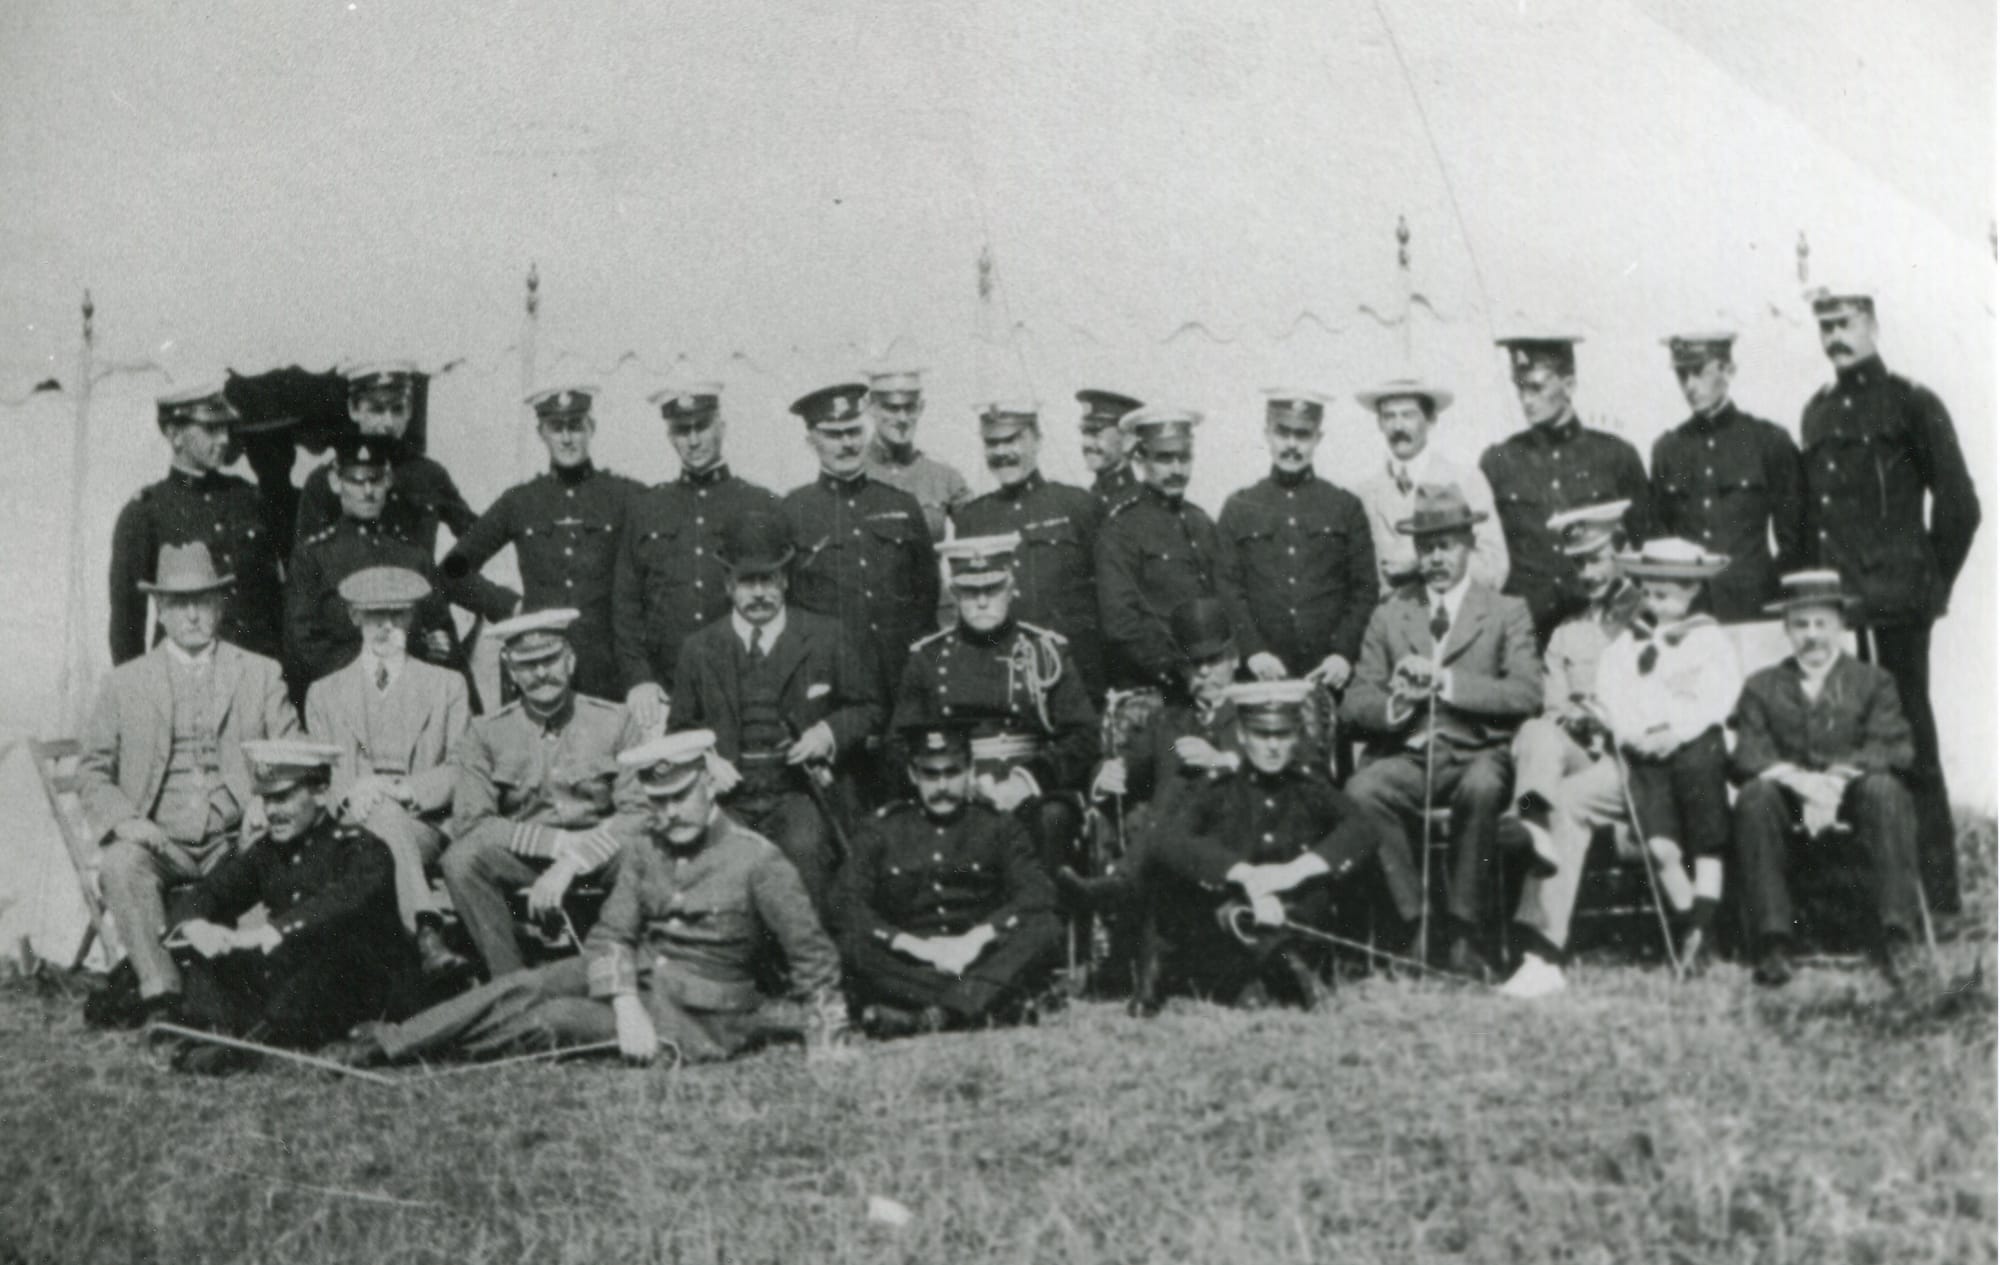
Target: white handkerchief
[{"x": 819, "y": 689}]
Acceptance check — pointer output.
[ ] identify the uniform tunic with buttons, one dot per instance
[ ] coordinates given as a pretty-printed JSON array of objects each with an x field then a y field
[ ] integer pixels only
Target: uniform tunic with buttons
[
  {"x": 911, "y": 873},
  {"x": 1297, "y": 570},
  {"x": 565, "y": 526},
  {"x": 1542, "y": 471},
  {"x": 669, "y": 579},
  {"x": 1055, "y": 569},
  {"x": 1874, "y": 443},
  {"x": 986, "y": 680},
  {"x": 866, "y": 559},
  {"x": 1115, "y": 486},
  {"x": 320, "y": 636},
  {"x": 1152, "y": 555},
  {"x": 344, "y": 957},
  {"x": 215, "y": 509},
  {"x": 938, "y": 487},
  {"x": 422, "y": 493},
  {"x": 1730, "y": 482},
  {"x": 555, "y": 784}
]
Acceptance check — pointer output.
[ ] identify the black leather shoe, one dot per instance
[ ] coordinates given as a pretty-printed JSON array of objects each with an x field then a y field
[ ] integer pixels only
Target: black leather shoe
[
  {"x": 438, "y": 959},
  {"x": 1774, "y": 969}
]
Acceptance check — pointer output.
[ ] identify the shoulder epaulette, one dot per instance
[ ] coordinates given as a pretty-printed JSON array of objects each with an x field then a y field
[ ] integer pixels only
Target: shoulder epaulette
[
  {"x": 1120, "y": 505},
  {"x": 323, "y": 534},
  {"x": 1046, "y": 634},
  {"x": 921, "y": 642}
]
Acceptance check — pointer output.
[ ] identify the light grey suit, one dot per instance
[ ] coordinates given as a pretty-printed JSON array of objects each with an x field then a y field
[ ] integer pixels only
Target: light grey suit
[
  {"x": 127, "y": 743},
  {"x": 424, "y": 714}
]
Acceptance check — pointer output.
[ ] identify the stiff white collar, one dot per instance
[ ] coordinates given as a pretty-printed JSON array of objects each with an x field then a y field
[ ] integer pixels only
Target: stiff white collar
[{"x": 772, "y": 631}]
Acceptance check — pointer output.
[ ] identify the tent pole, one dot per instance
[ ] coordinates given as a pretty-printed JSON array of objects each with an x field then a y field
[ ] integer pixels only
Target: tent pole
[
  {"x": 74, "y": 685},
  {"x": 1409, "y": 289},
  {"x": 524, "y": 459}
]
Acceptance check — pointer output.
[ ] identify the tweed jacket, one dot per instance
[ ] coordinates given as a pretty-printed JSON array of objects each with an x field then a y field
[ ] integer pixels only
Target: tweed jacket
[
  {"x": 1496, "y": 673},
  {"x": 430, "y": 701},
  {"x": 130, "y": 734}
]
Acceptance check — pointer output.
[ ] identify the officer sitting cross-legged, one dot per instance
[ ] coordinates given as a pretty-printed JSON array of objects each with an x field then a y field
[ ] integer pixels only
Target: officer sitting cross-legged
[
  {"x": 948, "y": 918},
  {"x": 538, "y": 802},
  {"x": 1258, "y": 848},
  {"x": 670, "y": 963},
  {"x": 1034, "y": 733},
  {"x": 329, "y": 954}
]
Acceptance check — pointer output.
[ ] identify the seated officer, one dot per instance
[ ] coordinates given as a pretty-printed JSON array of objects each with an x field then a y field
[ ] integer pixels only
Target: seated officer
[
  {"x": 1034, "y": 734},
  {"x": 537, "y": 802},
  {"x": 787, "y": 697},
  {"x": 1561, "y": 791},
  {"x": 397, "y": 723},
  {"x": 672, "y": 959},
  {"x": 1450, "y": 665},
  {"x": 161, "y": 778},
  {"x": 329, "y": 955},
  {"x": 1666, "y": 686},
  {"x": 1272, "y": 836},
  {"x": 947, "y": 918},
  {"x": 1821, "y": 738}
]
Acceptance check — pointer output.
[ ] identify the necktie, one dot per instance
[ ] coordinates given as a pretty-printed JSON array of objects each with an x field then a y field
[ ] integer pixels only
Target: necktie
[
  {"x": 381, "y": 676},
  {"x": 1648, "y": 658},
  {"x": 1402, "y": 476},
  {"x": 756, "y": 641},
  {"x": 1440, "y": 622}
]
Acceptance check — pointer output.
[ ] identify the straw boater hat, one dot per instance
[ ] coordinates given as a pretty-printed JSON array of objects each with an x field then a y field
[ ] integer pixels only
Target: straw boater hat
[
  {"x": 1399, "y": 388},
  {"x": 1811, "y": 588},
  {"x": 1671, "y": 558},
  {"x": 185, "y": 569},
  {"x": 1439, "y": 507}
]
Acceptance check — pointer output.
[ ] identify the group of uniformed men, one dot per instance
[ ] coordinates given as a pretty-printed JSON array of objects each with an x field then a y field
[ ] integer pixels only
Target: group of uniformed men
[{"x": 734, "y": 719}]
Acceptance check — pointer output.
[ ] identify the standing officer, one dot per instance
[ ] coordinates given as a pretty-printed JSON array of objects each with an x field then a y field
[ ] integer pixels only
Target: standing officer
[
  {"x": 948, "y": 919},
  {"x": 1034, "y": 733},
  {"x": 1556, "y": 464},
  {"x": 381, "y": 397},
  {"x": 864, "y": 555},
  {"x": 1055, "y": 580},
  {"x": 670, "y": 579},
  {"x": 319, "y": 635},
  {"x": 1104, "y": 446},
  {"x": 196, "y": 502},
  {"x": 1156, "y": 551},
  {"x": 1406, "y": 412},
  {"x": 1875, "y": 443},
  {"x": 1297, "y": 565},
  {"x": 564, "y": 526},
  {"x": 896, "y": 403},
  {"x": 1728, "y": 481}
]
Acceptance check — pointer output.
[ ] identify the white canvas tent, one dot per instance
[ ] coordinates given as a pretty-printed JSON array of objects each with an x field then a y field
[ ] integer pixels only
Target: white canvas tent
[{"x": 1179, "y": 200}]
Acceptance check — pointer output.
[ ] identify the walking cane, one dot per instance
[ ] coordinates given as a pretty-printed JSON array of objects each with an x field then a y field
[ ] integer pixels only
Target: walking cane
[
  {"x": 836, "y": 832},
  {"x": 1645, "y": 854}
]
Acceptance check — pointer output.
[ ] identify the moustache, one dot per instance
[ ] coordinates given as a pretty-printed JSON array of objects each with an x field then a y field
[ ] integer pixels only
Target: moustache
[
  {"x": 1843, "y": 348},
  {"x": 1003, "y": 463}
]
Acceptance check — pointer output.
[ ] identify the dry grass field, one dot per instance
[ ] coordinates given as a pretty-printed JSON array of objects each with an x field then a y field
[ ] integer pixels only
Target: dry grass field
[{"x": 1630, "y": 1120}]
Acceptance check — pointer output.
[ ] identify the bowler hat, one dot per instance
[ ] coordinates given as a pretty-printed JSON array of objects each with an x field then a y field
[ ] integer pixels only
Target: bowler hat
[
  {"x": 1200, "y": 628},
  {"x": 756, "y": 541},
  {"x": 1811, "y": 588}
]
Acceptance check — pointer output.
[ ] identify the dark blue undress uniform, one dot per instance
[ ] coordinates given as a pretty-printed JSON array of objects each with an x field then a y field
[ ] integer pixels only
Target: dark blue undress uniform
[
  {"x": 864, "y": 558},
  {"x": 423, "y": 493},
  {"x": 669, "y": 579},
  {"x": 1542, "y": 471},
  {"x": 1113, "y": 488},
  {"x": 1729, "y": 482},
  {"x": 215, "y": 509},
  {"x": 1298, "y": 570},
  {"x": 1055, "y": 569},
  {"x": 1874, "y": 444},
  {"x": 564, "y": 525},
  {"x": 1152, "y": 555}
]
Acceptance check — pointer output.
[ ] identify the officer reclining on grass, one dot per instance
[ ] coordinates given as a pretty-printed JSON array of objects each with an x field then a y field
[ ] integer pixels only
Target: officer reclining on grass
[
  {"x": 949, "y": 919},
  {"x": 332, "y": 952},
  {"x": 672, "y": 958}
]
